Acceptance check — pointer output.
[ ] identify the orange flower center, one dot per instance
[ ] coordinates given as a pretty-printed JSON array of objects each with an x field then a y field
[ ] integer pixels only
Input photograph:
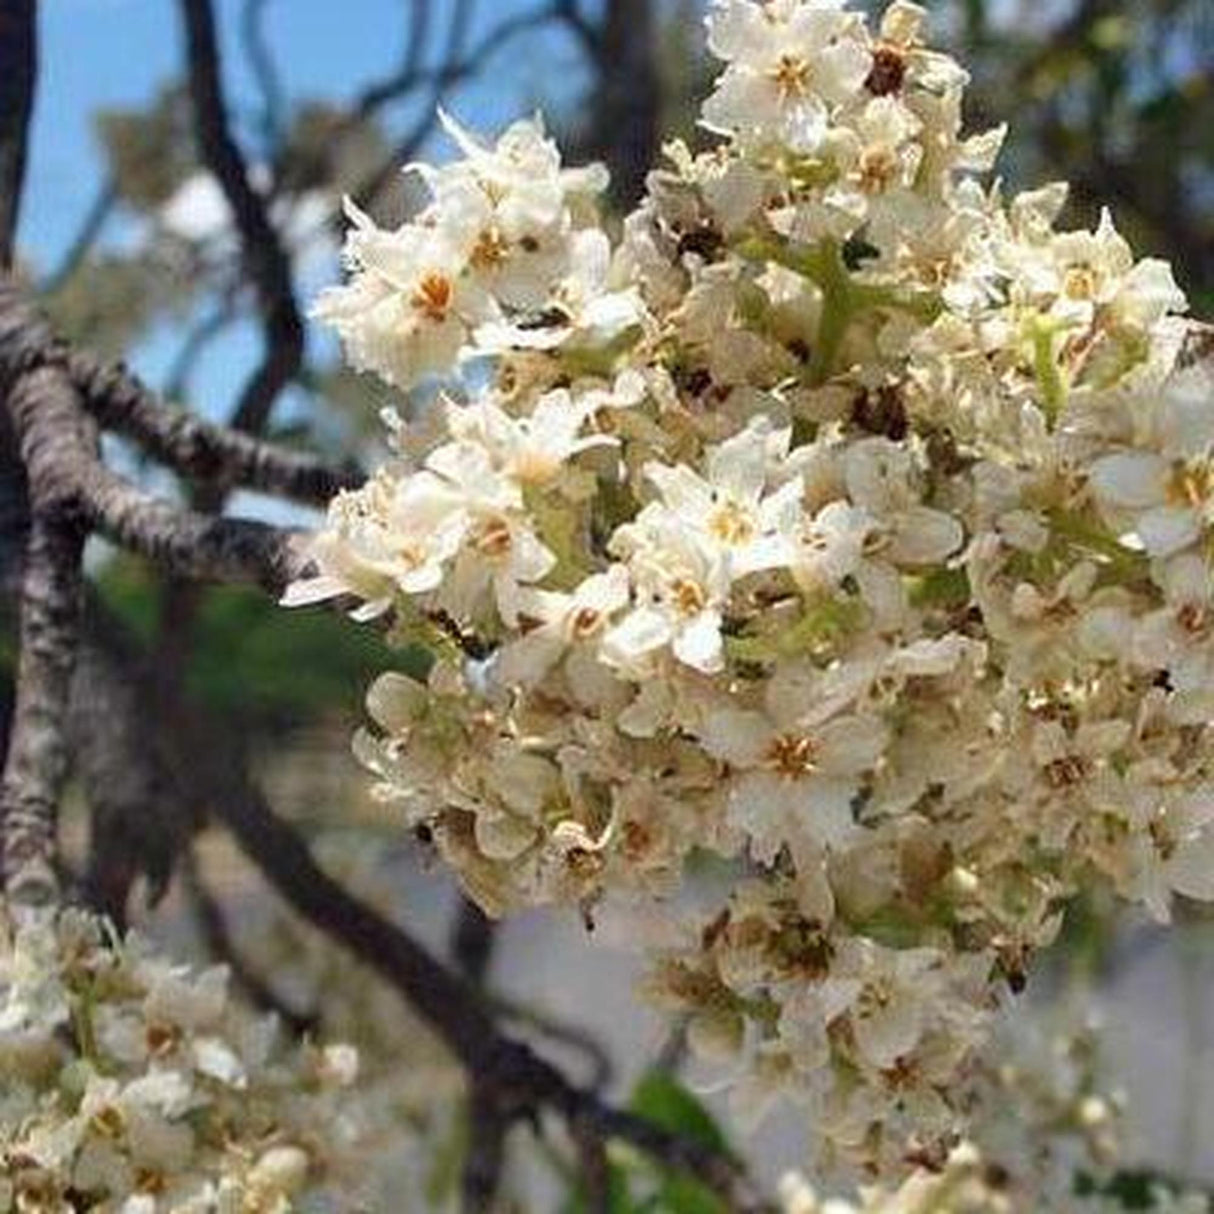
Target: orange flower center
[{"x": 432, "y": 296}]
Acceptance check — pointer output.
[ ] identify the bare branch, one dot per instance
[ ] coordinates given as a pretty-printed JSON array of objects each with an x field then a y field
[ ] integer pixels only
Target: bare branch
[
  {"x": 61, "y": 461},
  {"x": 515, "y": 1081},
  {"x": 177, "y": 378},
  {"x": 472, "y": 941},
  {"x": 18, "y": 73},
  {"x": 627, "y": 101},
  {"x": 178, "y": 437},
  {"x": 455, "y": 68},
  {"x": 37, "y": 762},
  {"x": 488, "y": 1125},
  {"x": 265, "y": 258},
  {"x": 593, "y": 1171},
  {"x": 198, "y": 449},
  {"x": 410, "y": 73},
  {"x": 141, "y": 815}
]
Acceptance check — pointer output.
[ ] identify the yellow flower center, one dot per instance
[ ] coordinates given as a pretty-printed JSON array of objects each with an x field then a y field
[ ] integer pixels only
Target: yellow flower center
[
  {"x": 490, "y": 250},
  {"x": 1080, "y": 283},
  {"x": 432, "y": 296},
  {"x": 1191, "y": 484},
  {"x": 732, "y": 524},
  {"x": 791, "y": 76},
  {"x": 585, "y": 623},
  {"x": 688, "y": 597},
  {"x": 494, "y": 539},
  {"x": 793, "y": 755}
]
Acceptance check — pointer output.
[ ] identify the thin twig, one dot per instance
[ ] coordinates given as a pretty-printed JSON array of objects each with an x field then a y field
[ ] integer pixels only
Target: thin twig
[
  {"x": 264, "y": 256},
  {"x": 517, "y": 1081},
  {"x": 265, "y": 72},
  {"x": 181, "y": 369},
  {"x": 454, "y": 69}
]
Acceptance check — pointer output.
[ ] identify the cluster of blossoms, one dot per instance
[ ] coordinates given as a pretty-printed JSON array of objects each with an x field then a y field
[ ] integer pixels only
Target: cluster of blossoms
[
  {"x": 969, "y": 1184},
  {"x": 1051, "y": 1140},
  {"x": 843, "y": 519},
  {"x": 137, "y": 1086}
]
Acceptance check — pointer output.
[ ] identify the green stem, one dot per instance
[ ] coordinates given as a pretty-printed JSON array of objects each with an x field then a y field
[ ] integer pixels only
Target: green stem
[
  {"x": 843, "y": 299},
  {"x": 1048, "y": 372}
]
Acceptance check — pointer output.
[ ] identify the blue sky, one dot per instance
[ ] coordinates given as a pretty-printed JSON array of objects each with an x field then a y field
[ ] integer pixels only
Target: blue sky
[{"x": 116, "y": 53}]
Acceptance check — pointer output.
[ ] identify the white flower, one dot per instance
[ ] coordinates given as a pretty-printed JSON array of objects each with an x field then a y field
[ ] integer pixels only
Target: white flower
[
  {"x": 558, "y": 621},
  {"x": 408, "y": 309},
  {"x": 799, "y": 762},
  {"x": 1174, "y": 850},
  {"x": 533, "y": 449},
  {"x": 390, "y": 535},
  {"x": 789, "y": 62},
  {"x": 679, "y": 595},
  {"x": 735, "y": 521},
  {"x": 586, "y": 308}
]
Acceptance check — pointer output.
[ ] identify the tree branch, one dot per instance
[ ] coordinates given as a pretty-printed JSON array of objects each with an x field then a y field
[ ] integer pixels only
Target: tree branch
[
  {"x": 37, "y": 761},
  {"x": 261, "y": 64},
  {"x": 18, "y": 73},
  {"x": 178, "y": 437},
  {"x": 199, "y": 450},
  {"x": 455, "y": 68},
  {"x": 517, "y": 1081},
  {"x": 94, "y": 220},
  {"x": 58, "y": 450},
  {"x": 264, "y": 256}
]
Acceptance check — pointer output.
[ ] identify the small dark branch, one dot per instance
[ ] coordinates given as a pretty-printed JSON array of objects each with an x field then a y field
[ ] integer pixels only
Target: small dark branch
[
  {"x": 94, "y": 220},
  {"x": 51, "y": 592},
  {"x": 574, "y": 1039},
  {"x": 626, "y": 133},
  {"x": 454, "y": 69},
  {"x": 265, "y": 71},
  {"x": 177, "y": 380},
  {"x": 199, "y": 450},
  {"x": 223, "y": 948},
  {"x": 410, "y": 73},
  {"x": 472, "y": 941},
  {"x": 488, "y": 1125},
  {"x": 570, "y": 12},
  {"x": 718, "y": 1172},
  {"x": 18, "y": 73},
  {"x": 448, "y": 1003},
  {"x": 141, "y": 816},
  {"x": 265, "y": 258},
  {"x": 516, "y": 1082},
  {"x": 593, "y": 1171}
]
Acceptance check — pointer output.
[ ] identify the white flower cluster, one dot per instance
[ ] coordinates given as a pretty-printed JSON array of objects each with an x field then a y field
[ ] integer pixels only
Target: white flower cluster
[
  {"x": 843, "y": 519},
  {"x": 135, "y": 1086},
  {"x": 969, "y": 1184}
]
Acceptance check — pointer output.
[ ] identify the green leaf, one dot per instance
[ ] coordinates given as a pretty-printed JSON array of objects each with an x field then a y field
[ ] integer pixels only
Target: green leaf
[{"x": 661, "y": 1099}]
